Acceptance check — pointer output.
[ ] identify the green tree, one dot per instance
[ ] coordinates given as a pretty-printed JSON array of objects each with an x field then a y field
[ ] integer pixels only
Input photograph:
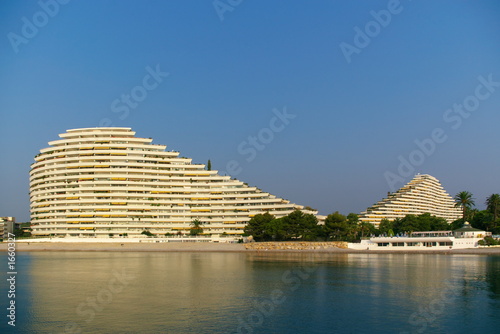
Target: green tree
[
  {"x": 437, "y": 223},
  {"x": 365, "y": 229},
  {"x": 196, "y": 228},
  {"x": 493, "y": 205},
  {"x": 456, "y": 224},
  {"x": 259, "y": 227},
  {"x": 465, "y": 201},
  {"x": 209, "y": 165},
  {"x": 488, "y": 241},
  {"x": 307, "y": 225},
  {"x": 352, "y": 227},
  {"x": 276, "y": 230},
  {"x": 483, "y": 220},
  {"x": 300, "y": 226},
  {"x": 423, "y": 222},
  {"x": 409, "y": 224},
  {"x": 336, "y": 226},
  {"x": 352, "y": 218},
  {"x": 385, "y": 227}
]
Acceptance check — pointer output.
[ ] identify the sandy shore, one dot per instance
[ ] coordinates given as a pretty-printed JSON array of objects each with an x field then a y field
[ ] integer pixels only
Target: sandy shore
[
  {"x": 127, "y": 247},
  {"x": 214, "y": 247}
]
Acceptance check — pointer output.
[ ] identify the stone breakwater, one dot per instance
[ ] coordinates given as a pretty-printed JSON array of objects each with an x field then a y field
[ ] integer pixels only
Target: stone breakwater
[{"x": 293, "y": 245}]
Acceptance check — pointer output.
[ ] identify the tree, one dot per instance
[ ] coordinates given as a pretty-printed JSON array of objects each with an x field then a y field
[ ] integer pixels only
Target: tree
[
  {"x": 409, "y": 224},
  {"x": 455, "y": 225},
  {"x": 386, "y": 227},
  {"x": 147, "y": 233},
  {"x": 259, "y": 226},
  {"x": 437, "y": 223},
  {"x": 483, "y": 220},
  {"x": 365, "y": 228},
  {"x": 493, "y": 205},
  {"x": 412, "y": 223},
  {"x": 300, "y": 226},
  {"x": 352, "y": 227},
  {"x": 209, "y": 165},
  {"x": 295, "y": 226},
  {"x": 336, "y": 226},
  {"x": 464, "y": 200},
  {"x": 276, "y": 230},
  {"x": 196, "y": 228}
]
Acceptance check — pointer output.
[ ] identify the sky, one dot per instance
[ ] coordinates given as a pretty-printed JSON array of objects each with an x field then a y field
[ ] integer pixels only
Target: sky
[{"x": 330, "y": 104}]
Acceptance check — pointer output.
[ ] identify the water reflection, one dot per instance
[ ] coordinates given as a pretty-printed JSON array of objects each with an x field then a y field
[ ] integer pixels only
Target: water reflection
[{"x": 104, "y": 292}]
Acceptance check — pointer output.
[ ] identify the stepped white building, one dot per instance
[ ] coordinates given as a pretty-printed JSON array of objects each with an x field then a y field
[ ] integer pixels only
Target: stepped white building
[
  {"x": 105, "y": 182},
  {"x": 423, "y": 194}
]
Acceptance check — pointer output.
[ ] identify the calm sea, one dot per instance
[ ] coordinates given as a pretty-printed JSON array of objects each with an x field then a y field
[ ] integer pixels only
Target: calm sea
[{"x": 150, "y": 292}]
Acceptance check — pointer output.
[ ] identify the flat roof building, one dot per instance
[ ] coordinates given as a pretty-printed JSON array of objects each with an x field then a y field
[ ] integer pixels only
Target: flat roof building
[
  {"x": 464, "y": 237},
  {"x": 423, "y": 194},
  {"x": 7, "y": 225},
  {"x": 105, "y": 182}
]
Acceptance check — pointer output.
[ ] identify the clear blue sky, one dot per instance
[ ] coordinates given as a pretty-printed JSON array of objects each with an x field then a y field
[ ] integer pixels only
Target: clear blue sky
[{"x": 353, "y": 119}]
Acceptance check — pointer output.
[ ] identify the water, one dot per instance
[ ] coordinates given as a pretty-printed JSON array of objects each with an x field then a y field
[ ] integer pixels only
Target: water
[{"x": 113, "y": 292}]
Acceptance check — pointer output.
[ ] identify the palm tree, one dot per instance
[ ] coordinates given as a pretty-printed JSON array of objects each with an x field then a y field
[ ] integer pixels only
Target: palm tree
[
  {"x": 464, "y": 200},
  {"x": 196, "y": 227},
  {"x": 493, "y": 205}
]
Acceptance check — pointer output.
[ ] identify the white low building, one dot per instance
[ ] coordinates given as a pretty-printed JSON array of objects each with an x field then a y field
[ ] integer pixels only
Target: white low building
[{"x": 464, "y": 237}]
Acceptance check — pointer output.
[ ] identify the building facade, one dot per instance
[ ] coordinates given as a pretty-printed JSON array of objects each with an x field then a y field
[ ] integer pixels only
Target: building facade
[
  {"x": 423, "y": 194},
  {"x": 7, "y": 225},
  {"x": 464, "y": 237},
  {"x": 105, "y": 182}
]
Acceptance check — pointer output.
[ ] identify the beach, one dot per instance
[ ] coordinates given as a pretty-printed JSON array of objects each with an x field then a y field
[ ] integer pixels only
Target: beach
[{"x": 26, "y": 246}]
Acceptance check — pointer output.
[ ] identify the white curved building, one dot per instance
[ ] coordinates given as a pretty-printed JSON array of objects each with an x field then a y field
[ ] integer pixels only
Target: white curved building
[
  {"x": 423, "y": 194},
  {"x": 105, "y": 182}
]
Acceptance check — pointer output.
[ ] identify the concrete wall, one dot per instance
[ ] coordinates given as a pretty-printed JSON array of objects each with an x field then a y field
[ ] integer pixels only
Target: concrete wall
[{"x": 296, "y": 245}]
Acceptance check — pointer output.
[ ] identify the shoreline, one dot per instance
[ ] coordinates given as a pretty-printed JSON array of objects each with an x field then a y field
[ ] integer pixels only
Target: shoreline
[{"x": 25, "y": 246}]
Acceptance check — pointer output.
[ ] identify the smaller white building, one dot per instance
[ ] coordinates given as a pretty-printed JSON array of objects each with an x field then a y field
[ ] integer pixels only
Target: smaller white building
[
  {"x": 464, "y": 237},
  {"x": 7, "y": 225}
]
